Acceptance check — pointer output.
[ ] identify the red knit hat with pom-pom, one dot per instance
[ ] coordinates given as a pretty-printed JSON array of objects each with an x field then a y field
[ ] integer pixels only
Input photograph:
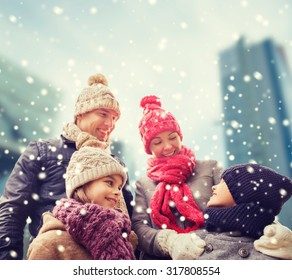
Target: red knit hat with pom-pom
[{"x": 155, "y": 120}]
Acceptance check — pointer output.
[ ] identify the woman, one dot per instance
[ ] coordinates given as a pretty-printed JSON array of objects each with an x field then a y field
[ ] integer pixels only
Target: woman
[
  {"x": 176, "y": 189},
  {"x": 171, "y": 200}
]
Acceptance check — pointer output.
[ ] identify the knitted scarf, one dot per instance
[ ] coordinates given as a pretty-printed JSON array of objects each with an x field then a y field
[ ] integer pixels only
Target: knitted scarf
[
  {"x": 103, "y": 232},
  {"x": 248, "y": 218},
  {"x": 172, "y": 174},
  {"x": 73, "y": 133}
]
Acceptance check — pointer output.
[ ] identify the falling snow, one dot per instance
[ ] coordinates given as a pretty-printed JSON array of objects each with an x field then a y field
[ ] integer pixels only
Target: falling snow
[{"x": 229, "y": 109}]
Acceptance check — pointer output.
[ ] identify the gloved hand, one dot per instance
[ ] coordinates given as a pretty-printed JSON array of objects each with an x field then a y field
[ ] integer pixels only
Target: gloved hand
[
  {"x": 184, "y": 246},
  {"x": 276, "y": 242}
]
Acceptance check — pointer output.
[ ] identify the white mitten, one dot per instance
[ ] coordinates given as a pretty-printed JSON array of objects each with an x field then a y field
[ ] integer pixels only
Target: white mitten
[
  {"x": 276, "y": 242},
  {"x": 184, "y": 246}
]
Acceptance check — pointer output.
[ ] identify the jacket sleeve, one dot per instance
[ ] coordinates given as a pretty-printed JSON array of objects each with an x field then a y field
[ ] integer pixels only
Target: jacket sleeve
[
  {"x": 142, "y": 224},
  {"x": 128, "y": 197},
  {"x": 16, "y": 203}
]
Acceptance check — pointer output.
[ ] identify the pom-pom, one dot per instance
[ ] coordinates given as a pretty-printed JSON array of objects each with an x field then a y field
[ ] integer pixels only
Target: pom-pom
[
  {"x": 149, "y": 100},
  {"x": 97, "y": 79}
]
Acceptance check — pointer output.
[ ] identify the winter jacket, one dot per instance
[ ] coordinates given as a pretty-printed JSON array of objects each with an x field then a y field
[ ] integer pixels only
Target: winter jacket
[
  {"x": 55, "y": 243},
  {"x": 206, "y": 174},
  {"x": 33, "y": 187},
  {"x": 227, "y": 246}
]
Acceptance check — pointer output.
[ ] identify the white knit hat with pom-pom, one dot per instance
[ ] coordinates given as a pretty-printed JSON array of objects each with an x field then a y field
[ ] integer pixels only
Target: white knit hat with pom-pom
[
  {"x": 89, "y": 164},
  {"x": 97, "y": 95}
]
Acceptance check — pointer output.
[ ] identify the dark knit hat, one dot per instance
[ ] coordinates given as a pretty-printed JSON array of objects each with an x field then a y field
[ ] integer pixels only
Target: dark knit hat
[
  {"x": 155, "y": 120},
  {"x": 259, "y": 193},
  {"x": 258, "y": 184}
]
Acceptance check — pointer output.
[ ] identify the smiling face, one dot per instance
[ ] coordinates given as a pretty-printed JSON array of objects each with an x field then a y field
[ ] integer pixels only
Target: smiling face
[
  {"x": 221, "y": 196},
  {"x": 105, "y": 191},
  {"x": 165, "y": 144},
  {"x": 99, "y": 123}
]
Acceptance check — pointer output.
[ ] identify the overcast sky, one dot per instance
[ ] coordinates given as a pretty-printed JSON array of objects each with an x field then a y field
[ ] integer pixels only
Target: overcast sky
[{"x": 168, "y": 48}]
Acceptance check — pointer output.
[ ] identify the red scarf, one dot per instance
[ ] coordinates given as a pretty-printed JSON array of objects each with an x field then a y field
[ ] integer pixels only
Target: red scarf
[{"x": 172, "y": 173}]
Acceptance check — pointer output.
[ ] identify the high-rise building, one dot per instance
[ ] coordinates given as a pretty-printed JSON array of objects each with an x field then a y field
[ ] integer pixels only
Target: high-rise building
[
  {"x": 256, "y": 86},
  {"x": 28, "y": 111},
  {"x": 29, "y": 108}
]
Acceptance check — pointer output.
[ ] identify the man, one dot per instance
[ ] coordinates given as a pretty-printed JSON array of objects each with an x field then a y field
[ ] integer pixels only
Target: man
[{"x": 37, "y": 180}]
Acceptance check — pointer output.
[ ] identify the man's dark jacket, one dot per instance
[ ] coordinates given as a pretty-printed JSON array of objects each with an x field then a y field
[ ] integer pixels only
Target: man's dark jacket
[{"x": 33, "y": 187}]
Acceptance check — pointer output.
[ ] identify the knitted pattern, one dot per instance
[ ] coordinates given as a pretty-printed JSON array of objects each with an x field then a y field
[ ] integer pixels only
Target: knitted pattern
[
  {"x": 81, "y": 138},
  {"x": 249, "y": 219},
  {"x": 97, "y": 95},
  {"x": 259, "y": 193},
  {"x": 258, "y": 184},
  {"x": 172, "y": 173},
  {"x": 155, "y": 120},
  {"x": 103, "y": 232},
  {"x": 88, "y": 164}
]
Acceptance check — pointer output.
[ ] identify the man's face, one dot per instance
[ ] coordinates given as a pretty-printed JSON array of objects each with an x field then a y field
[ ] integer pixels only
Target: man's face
[{"x": 99, "y": 123}]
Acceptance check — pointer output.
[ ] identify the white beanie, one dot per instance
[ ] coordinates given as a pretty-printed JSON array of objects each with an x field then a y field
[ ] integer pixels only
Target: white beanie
[
  {"x": 89, "y": 164},
  {"x": 96, "y": 95}
]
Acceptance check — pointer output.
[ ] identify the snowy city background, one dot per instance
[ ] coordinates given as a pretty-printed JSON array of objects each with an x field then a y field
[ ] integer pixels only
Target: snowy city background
[{"x": 169, "y": 48}]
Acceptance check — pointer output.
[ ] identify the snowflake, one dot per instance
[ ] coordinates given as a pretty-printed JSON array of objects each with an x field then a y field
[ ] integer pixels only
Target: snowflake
[
  {"x": 35, "y": 196},
  {"x": 42, "y": 175},
  {"x": 61, "y": 248},
  {"x": 83, "y": 212},
  {"x": 13, "y": 254},
  {"x": 182, "y": 218}
]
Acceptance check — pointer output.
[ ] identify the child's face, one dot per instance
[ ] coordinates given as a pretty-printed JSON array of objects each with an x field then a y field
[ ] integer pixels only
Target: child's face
[
  {"x": 221, "y": 196},
  {"x": 165, "y": 144},
  {"x": 105, "y": 191}
]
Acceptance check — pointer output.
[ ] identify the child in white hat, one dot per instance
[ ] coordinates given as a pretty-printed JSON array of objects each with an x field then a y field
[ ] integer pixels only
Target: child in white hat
[{"x": 87, "y": 225}]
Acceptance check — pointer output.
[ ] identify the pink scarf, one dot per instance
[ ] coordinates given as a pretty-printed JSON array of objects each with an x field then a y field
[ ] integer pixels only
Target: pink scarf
[
  {"x": 172, "y": 173},
  {"x": 103, "y": 232}
]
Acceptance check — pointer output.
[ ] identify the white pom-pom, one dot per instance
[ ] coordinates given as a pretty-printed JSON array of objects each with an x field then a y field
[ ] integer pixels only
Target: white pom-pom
[{"x": 97, "y": 79}]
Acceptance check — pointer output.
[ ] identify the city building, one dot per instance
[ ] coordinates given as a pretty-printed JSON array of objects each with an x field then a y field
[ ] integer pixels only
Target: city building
[
  {"x": 256, "y": 87},
  {"x": 28, "y": 110}
]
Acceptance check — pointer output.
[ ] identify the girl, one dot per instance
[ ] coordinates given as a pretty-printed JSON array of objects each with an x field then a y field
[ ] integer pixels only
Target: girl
[{"x": 86, "y": 225}]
